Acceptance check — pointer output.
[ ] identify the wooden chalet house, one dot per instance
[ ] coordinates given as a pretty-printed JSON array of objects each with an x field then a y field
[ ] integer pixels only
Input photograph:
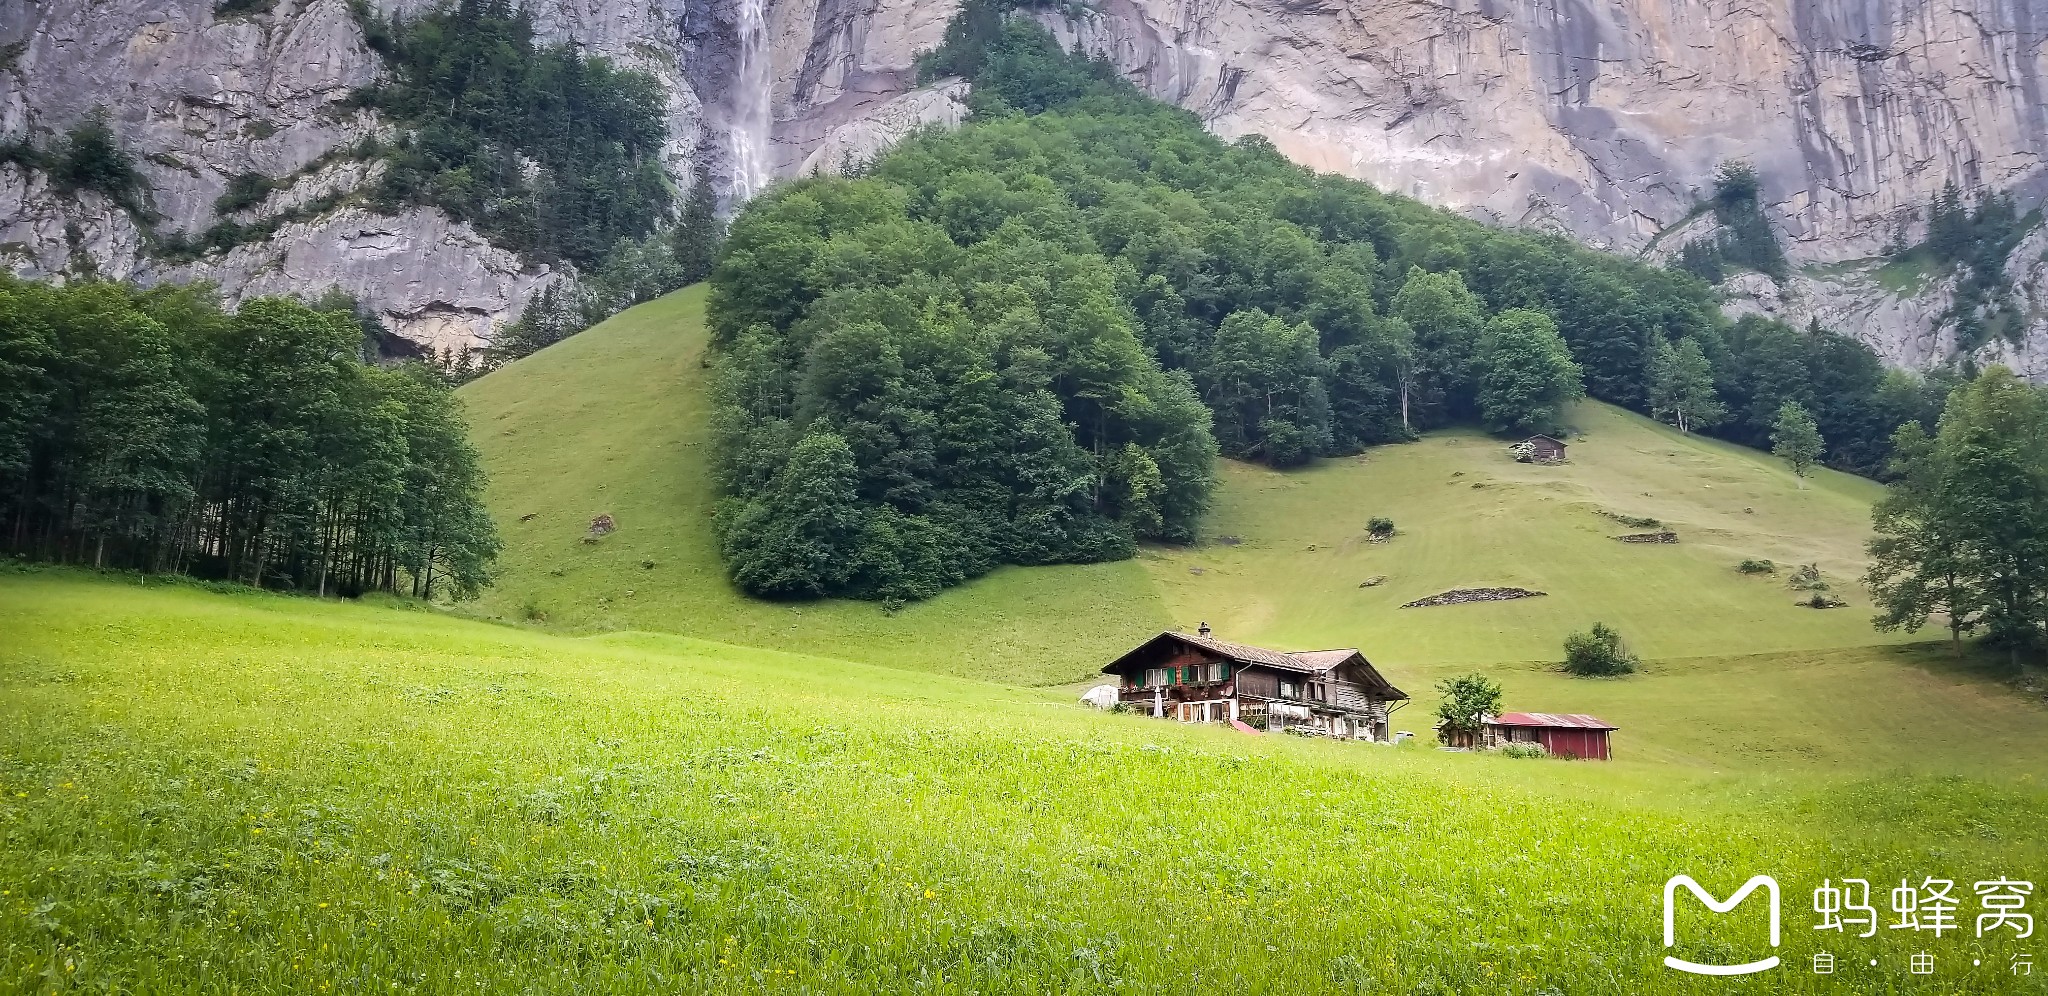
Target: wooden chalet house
[{"x": 1195, "y": 678}]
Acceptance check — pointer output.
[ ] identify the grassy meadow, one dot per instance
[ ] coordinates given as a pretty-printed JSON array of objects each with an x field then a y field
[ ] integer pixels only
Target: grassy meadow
[
  {"x": 615, "y": 421},
  {"x": 247, "y": 793},
  {"x": 614, "y": 773}
]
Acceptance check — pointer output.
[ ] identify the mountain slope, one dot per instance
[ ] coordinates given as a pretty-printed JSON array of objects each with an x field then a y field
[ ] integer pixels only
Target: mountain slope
[{"x": 614, "y": 421}]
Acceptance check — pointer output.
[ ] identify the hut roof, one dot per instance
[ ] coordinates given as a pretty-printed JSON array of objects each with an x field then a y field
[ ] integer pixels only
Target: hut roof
[
  {"x": 1539, "y": 435},
  {"x": 1310, "y": 662},
  {"x": 1567, "y": 720}
]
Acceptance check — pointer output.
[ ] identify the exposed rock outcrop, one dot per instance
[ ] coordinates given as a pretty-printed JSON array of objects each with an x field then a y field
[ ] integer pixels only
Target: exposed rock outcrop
[
  {"x": 1606, "y": 120},
  {"x": 1603, "y": 120},
  {"x": 200, "y": 98}
]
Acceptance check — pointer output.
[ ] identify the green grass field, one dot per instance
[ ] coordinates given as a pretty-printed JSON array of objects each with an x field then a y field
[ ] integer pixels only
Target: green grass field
[
  {"x": 614, "y": 421},
  {"x": 246, "y": 793},
  {"x": 629, "y": 778}
]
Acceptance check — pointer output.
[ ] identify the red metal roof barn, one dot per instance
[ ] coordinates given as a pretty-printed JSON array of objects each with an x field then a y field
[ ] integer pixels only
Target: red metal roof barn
[{"x": 1574, "y": 735}]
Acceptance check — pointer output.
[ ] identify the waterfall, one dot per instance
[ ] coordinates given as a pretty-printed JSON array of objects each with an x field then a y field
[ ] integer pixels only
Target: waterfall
[{"x": 750, "y": 104}]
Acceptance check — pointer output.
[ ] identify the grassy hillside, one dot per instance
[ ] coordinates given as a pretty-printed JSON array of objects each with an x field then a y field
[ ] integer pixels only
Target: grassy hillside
[
  {"x": 205, "y": 792},
  {"x": 614, "y": 421},
  {"x": 1285, "y": 552}
]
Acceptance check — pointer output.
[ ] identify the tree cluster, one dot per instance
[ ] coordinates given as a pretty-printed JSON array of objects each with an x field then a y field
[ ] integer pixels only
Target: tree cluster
[
  {"x": 1855, "y": 402},
  {"x": 88, "y": 157},
  {"x": 1100, "y": 270},
  {"x": 153, "y": 430},
  {"x": 1975, "y": 241},
  {"x": 1963, "y": 531},
  {"x": 1744, "y": 240},
  {"x": 634, "y": 272},
  {"x": 546, "y": 152}
]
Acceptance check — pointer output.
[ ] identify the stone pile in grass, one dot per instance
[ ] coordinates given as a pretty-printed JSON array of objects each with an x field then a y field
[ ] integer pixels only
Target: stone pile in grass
[
  {"x": 1459, "y": 596},
  {"x": 1665, "y": 536}
]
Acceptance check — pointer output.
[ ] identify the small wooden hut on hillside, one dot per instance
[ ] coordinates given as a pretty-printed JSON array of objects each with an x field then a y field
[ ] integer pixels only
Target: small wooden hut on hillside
[{"x": 1544, "y": 449}]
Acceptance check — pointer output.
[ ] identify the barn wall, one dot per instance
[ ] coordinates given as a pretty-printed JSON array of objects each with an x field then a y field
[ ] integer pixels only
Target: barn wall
[{"x": 1588, "y": 744}]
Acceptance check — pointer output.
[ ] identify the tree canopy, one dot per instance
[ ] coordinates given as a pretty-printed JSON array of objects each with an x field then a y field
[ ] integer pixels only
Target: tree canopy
[
  {"x": 1107, "y": 294},
  {"x": 151, "y": 429},
  {"x": 1964, "y": 532}
]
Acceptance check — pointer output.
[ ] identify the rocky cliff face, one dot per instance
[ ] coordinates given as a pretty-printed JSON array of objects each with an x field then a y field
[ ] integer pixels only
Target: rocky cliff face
[
  {"x": 200, "y": 98},
  {"x": 1601, "y": 119}
]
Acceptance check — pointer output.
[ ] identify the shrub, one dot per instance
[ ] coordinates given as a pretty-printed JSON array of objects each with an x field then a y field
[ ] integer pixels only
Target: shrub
[
  {"x": 1757, "y": 567},
  {"x": 1807, "y": 578},
  {"x": 1598, "y": 653},
  {"x": 1523, "y": 750},
  {"x": 244, "y": 190},
  {"x": 1380, "y": 527},
  {"x": 91, "y": 158}
]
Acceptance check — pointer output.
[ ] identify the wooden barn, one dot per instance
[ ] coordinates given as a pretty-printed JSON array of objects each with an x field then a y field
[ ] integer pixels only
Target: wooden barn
[
  {"x": 1194, "y": 678},
  {"x": 1544, "y": 449},
  {"x": 1571, "y": 735}
]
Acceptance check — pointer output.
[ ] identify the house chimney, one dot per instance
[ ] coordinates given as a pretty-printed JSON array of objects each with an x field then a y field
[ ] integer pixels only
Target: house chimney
[{"x": 1203, "y": 630}]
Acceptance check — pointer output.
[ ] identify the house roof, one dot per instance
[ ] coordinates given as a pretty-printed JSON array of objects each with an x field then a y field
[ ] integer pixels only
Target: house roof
[
  {"x": 1568, "y": 720},
  {"x": 1539, "y": 435},
  {"x": 1298, "y": 662}
]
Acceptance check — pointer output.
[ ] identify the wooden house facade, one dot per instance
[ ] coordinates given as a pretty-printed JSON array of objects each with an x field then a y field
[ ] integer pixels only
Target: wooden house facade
[
  {"x": 1544, "y": 449},
  {"x": 1195, "y": 678},
  {"x": 1567, "y": 735},
  {"x": 1571, "y": 735}
]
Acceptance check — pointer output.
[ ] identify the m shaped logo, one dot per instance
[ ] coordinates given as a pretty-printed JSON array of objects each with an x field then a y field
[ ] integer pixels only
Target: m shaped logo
[{"x": 1764, "y": 882}]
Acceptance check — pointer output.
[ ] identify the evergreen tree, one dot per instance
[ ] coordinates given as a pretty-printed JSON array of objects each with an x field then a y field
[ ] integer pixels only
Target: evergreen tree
[
  {"x": 802, "y": 537},
  {"x": 1795, "y": 439},
  {"x": 698, "y": 232},
  {"x": 1948, "y": 224}
]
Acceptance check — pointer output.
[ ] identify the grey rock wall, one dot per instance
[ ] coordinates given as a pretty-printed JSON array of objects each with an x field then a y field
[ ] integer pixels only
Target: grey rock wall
[
  {"x": 1604, "y": 120},
  {"x": 200, "y": 98}
]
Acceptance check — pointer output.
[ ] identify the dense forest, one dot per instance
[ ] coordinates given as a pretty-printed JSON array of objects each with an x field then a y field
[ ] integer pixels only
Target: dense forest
[
  {"x": 548, "y": 153},
  {"x": 154, "y": 430},
  {"x": 1020, "y": 341}
]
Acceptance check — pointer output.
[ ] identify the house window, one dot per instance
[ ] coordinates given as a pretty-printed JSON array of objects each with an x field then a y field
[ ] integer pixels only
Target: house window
[
  {"x": 1290, "y": 690},
  {"x": 1155, "y": 676}
]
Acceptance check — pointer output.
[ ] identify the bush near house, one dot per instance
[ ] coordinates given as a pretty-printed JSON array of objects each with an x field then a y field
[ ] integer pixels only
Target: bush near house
[{"x": 1598, "y": 653}]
